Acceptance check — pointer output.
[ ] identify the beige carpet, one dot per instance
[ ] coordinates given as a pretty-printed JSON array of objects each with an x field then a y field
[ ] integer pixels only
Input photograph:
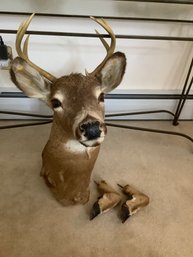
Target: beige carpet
[{"x": 33, "y": 224}]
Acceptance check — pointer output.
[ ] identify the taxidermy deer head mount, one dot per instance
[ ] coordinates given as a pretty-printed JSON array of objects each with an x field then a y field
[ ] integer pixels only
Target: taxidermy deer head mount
[{"x": 78, "y": 127}]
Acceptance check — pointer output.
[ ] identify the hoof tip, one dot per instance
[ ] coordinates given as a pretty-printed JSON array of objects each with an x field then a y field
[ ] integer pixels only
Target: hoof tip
[
  {"x": 125, "y": 214},
  {"x": 95, "y": 211}
]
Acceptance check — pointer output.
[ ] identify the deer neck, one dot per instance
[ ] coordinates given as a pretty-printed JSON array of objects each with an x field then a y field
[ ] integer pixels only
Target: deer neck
[{"x": 58, "y": 133}]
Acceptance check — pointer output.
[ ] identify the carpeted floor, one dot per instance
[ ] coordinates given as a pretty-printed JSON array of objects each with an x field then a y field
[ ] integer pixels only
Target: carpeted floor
[{"x": 33, "y": 224}]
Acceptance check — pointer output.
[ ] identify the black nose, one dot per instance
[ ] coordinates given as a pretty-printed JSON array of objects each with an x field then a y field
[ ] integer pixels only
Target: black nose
[{"x": 91, "y": 130}]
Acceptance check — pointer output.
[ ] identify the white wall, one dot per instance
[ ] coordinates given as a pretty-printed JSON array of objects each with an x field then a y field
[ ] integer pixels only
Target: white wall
[{"x": 151, "y": 65}]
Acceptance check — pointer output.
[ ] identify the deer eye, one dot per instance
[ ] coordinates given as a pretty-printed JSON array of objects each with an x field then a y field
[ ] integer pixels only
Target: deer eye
[
  {"x": 101, "y": 97},
  {"x": 56, "y": 103}
]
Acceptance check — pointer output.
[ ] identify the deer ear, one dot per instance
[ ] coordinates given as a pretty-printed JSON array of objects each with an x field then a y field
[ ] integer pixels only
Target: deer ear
[
  {"x": 112, "y": 72},
  {"x": 29, "y": 80}
]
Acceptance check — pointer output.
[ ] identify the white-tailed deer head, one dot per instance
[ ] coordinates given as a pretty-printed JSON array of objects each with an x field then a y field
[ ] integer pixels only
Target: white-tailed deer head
[{"x": 77, "y": 101}]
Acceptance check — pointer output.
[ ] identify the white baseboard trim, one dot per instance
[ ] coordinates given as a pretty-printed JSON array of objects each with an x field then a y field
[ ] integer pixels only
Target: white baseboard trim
[{"x": 132, "y": 103}]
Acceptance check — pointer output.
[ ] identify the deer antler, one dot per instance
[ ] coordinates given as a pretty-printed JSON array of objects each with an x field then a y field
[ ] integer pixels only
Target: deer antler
[
  {"x": 24, "y": 53},
  {"x": 110, "y": 49}
]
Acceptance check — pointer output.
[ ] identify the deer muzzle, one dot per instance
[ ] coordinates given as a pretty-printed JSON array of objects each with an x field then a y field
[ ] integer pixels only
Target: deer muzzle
[{"x": 91, "y": 132}]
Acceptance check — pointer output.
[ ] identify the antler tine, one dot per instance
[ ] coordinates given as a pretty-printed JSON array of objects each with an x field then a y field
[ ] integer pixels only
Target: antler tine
[
  {"x": 102, "y": 40},
  {"x": 110, "y": 49},
  {"x": 20, "y": 34},
  {"x": 25, "y": 46},
  {"x": 24, "y": 53}
]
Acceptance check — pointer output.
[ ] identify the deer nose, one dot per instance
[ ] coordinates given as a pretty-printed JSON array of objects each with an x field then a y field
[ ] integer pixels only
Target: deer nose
[{"x": 91, "y": 130}]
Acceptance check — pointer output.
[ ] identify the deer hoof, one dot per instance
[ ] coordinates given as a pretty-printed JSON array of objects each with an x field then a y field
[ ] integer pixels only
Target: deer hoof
[
  {"x": 109, "y": 199},
  {"x": 135, "y": 201}
]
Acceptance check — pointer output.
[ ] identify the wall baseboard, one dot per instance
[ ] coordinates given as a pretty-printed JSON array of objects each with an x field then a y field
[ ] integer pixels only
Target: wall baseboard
[{"x": 114, "y": 103}]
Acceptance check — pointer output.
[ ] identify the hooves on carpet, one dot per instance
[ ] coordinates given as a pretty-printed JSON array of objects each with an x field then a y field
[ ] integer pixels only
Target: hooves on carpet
[{"x": 109, "y": 198}]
